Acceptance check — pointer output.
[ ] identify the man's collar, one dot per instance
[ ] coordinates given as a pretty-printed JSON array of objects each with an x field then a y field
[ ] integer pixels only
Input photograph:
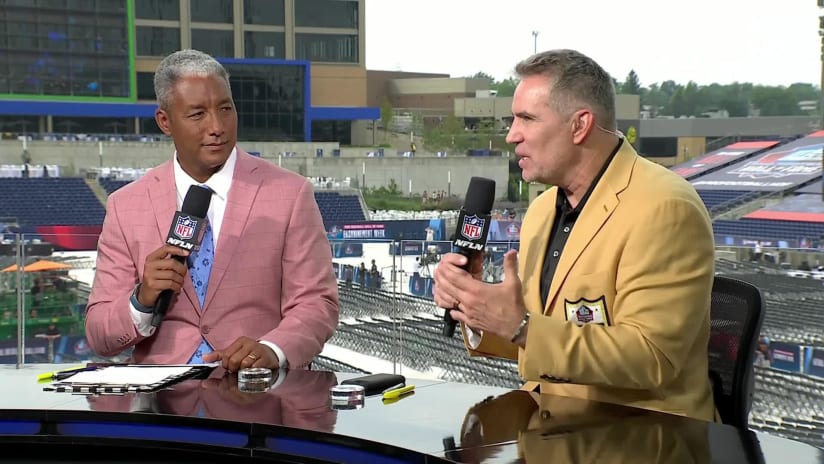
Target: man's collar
[
  {"x": 562, "y": 201},
  {"x": 220, "y": 182}
]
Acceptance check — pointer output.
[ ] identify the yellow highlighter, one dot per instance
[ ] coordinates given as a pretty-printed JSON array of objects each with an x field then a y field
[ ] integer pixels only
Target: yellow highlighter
[{"x": 398, "y": 392}]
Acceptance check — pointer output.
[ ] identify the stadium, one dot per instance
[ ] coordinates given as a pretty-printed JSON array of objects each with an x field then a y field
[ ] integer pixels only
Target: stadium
[{"x": 63, "y": 157}]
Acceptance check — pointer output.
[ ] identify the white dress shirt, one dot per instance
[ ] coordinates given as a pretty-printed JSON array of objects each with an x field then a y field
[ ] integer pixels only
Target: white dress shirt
[{"x": 220, "y": 183}]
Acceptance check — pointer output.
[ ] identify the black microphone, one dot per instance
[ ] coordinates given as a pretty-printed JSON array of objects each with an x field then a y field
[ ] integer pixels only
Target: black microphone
[
  {"x": 186, "y": 232},
  {"x": 473, "y": 227}
]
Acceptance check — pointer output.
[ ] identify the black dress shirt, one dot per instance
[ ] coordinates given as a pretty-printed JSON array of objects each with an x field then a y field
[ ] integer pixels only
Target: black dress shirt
[{"x": 565, "y": 217}]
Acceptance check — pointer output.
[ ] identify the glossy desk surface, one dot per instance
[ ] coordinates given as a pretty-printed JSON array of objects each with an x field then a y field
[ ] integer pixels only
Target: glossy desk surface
[{"x": 459, "y": 422}]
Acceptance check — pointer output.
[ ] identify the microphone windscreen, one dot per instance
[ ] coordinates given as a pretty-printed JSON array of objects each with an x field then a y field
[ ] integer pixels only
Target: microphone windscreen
[
  {"x": 480, "y": 196},
  {"x": 197, "y": 201}
]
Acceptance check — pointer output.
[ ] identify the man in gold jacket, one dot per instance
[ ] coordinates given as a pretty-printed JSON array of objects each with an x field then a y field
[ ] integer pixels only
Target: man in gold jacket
[{"x": 610, "y": 299}]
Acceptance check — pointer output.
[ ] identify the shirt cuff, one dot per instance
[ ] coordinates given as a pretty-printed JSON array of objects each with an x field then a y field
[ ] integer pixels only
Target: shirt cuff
[
  {"x": 473, "y": 339},
  {"x": 142, "y": 321},
  {"x": 283, "y": 363}
]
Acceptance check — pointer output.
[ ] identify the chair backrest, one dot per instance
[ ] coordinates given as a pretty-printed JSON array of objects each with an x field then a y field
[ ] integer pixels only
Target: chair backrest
[{"x": 737, "y": 312}]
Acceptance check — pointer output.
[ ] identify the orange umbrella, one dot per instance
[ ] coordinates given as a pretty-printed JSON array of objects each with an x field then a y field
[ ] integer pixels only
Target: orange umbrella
[{"x": 39, "y": 266}]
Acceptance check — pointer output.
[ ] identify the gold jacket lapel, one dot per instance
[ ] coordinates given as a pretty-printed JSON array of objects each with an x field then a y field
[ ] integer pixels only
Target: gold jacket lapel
[{"x": 599, "y": 207}]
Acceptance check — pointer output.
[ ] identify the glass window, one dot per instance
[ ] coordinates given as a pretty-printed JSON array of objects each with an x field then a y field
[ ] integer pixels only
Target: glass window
[
  {"x": 267, "y": 12},
  {"x": 264, "y": 44},
  {"x": 212, "y": 11},
  {"x": 326, "y": 13},
  {"x": 332, "y": 131},
  {"x": 157, "y": 41},
  {"x": 157, "y": 9},
  {"x": 145, "y": 86},
  {"x": 215, "y": 43},
  {"x": 327, "y": 47},
  {"x": 54, "y": 51},
  {"x": 269, "y": 100}
]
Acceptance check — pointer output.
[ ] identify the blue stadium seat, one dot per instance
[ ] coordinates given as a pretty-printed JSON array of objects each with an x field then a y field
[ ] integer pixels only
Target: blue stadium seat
[{"x": 49, "y": 201}]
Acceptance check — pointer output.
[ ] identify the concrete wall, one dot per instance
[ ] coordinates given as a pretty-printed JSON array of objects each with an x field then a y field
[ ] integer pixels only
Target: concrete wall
[
  {"x": 338, "y": 85},
  {"x": 782, "y": 126},
  {"x": 437, "y": 85},
  {"x": 377, "y": 83},
  {"x": 426, "y": 173},
  {"x": 498, "y": 107}
]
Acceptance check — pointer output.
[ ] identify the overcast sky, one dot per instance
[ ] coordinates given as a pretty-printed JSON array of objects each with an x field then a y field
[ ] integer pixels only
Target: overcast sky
[{"x": 772, "y": 42}]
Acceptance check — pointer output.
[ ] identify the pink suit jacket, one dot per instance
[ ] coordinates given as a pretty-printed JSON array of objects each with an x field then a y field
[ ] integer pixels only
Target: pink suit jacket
[{"x": 271, "y": 278}]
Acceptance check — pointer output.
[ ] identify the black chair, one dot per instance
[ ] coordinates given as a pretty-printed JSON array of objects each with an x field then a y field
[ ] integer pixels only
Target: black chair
[{"x": 737, "y": 312}]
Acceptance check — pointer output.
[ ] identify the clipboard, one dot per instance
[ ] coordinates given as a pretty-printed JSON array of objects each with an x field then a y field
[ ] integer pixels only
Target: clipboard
[{"x": 109, "y": 374}]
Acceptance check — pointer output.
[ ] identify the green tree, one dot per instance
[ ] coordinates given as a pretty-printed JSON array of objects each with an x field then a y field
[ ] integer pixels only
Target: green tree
[
  {"x": 506, "y": 87},
  {"x": 631, "y": 85},
  {"x": 483, "y": 75}
]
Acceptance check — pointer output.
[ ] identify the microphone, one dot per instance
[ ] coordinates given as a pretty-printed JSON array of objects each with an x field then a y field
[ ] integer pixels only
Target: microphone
[
  {"x": 473, "y": 227},
  {"x": 186, "y": 232}
]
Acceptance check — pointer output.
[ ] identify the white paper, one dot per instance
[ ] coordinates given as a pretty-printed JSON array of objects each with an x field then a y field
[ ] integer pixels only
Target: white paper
[{"x": 127, "y": 375}]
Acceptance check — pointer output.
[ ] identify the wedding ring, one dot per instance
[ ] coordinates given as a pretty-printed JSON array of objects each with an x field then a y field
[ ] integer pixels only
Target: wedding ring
[{"x": 250, "y": 355}]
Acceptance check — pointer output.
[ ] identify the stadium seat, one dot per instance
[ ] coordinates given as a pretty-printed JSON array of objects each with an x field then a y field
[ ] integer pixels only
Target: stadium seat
[{"x": 737, "y": 312}]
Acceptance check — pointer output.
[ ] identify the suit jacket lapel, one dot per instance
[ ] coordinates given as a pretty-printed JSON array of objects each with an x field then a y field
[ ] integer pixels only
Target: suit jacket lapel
[
  {"x": 163, "y": 196},
  {"x": 245, "y": 184},
  {"x": 599, "y": 207},
  {"x": 537, "y": 248}
]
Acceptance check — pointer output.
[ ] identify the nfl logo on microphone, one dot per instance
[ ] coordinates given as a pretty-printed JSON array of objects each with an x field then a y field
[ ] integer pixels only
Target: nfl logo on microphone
[
  {"x": 185, "y": 227},
  {"x": 472, "y": 227}
]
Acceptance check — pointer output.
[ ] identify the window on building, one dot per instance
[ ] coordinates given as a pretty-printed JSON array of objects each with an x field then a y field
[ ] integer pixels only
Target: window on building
[
  {"x": 157, "y": 41},
  {"x": 326, "y": 13},
  {"x": 263, "y": 12},
  {"x": 168, "y": 10},
  {"x": 59, "y": 48},
  {"x": 214, "y": 42},
  {"x": 264, "y": 44},
  {"x": 336, "y": 48},
  {"x": 332, "y": 131},
  {"x": 269, "y": 100},
  {"x": 212, "y": 11},
  {"x": 145, "y": 86}
]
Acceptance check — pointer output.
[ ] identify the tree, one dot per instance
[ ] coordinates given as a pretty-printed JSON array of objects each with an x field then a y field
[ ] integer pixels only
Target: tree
[
  {"x": 506, "y": 87},
  {"x": 387, "y": 114},
  {"x": 631, "y": 85},
  {"x": 483, "y": 75}
]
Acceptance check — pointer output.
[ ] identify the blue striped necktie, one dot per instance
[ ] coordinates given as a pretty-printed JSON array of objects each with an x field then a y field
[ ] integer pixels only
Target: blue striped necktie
[{"x": 200, "y": 267}]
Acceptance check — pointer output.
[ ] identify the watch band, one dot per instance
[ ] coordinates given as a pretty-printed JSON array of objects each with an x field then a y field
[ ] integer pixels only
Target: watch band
[
  {"x": 521, "y": 328},
  {"x": 136, "y": 303}
]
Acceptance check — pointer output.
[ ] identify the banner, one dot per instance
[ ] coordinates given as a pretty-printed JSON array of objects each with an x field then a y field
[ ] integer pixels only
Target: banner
[
  {"x": 785, "y": 356},
  {"x": 723, "y": 156},
  {"x": 800, "y": 208},
  {"x": 412, "y": 229},
  {"x": 347, "y": 250},
  {"x": 504, "y": 231},
  {"x": 815, "y": 362},
  {"x": 778, "y": 169}
]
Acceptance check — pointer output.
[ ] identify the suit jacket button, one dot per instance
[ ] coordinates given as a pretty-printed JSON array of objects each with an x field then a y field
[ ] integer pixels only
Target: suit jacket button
[{"x": 205, "y": 329}]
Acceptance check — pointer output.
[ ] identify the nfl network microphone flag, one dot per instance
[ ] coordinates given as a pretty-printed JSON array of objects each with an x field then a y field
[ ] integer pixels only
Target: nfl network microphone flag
[{"x": 186, "y": 231}]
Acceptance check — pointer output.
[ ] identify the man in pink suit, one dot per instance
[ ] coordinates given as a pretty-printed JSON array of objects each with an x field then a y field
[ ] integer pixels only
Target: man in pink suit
[{"x": 271, "y": 298}]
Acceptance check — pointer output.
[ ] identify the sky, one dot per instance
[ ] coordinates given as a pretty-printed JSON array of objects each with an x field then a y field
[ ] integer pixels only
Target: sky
[{"x": 769, "y": 42}]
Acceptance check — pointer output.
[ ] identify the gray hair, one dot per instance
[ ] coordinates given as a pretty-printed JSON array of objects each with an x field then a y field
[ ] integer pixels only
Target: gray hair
[
  {"x": 575, "y": 79},
  {"x": 184, "y": 63}
]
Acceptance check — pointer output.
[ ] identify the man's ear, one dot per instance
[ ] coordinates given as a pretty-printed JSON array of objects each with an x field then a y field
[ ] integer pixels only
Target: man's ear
[{"x": 162, "y": 120}]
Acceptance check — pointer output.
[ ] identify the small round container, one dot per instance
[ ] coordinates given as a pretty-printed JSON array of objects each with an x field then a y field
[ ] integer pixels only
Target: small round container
[
  {"x": 342, "y": 397},
  {"x": 254, "y": 379}
]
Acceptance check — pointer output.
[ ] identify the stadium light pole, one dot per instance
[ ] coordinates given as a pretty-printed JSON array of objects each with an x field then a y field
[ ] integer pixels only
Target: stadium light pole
[{"x": 535, "y": 41}]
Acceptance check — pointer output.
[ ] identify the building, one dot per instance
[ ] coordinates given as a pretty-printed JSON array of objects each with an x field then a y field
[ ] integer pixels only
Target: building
[{"x": 86, "y": 66}]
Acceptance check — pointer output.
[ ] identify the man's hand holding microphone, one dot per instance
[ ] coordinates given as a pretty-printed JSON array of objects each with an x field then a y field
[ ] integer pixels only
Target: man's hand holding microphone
[{"x": 493, "y": 308}]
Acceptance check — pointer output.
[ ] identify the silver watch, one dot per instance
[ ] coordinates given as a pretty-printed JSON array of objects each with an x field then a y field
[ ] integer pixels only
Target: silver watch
[{"x": 521, "y": 328}]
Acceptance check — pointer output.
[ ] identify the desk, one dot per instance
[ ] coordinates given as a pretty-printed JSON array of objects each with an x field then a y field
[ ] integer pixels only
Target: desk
[{"x": 441, "y": 421}]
